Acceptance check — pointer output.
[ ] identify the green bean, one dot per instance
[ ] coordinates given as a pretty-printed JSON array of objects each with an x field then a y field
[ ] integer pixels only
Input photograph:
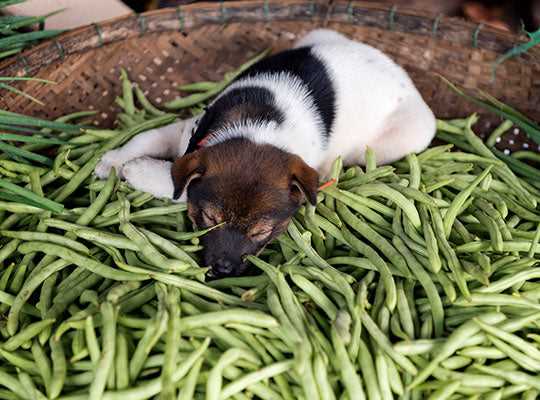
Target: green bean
[
  {"x": 495, "y": 214},
  {"x": 370, "y": 159},
  {"x": 30, "y": 387},
  {"x": 17, "y": 360},
  {"x": 109, "y": 239},
  {"x": 188, "y": 388},
  {"x": 287, "y": 332},
  {"x": 106, "y": 359},
  {"x": 494, "y": 232},
  {"x": 415, "y": 171},
  {"x": 6, "y": 298},
  {"x": 13, "y": 384},
  {"x": 59, "y": 368},
  {"x": 496, "y": 300},
  {"x": 145, "y": 103},
  {"x": 394, "y": 377},
  {"x": 446, "y": 391},
  {"x": 43, "y": 364},
  {"x": 152, "y": 335},
  {"x": 515, "y": 340},
  {"x": 169, "y": 248},
  {"x": 214, "y": 382},
  {"x": 382, "y": 341},
  {"x": 367, "y": 367},
  {"x": 127, "y": 93},
  {"x": 382, "y": 267},
  {"x": 46, "y": 237},
  {"x": 316, "y": 294},
  {"x": 519, "y": 358},
  {"x": 77, "y": 259},
  {"x": 95, "y": 208},
  {"x": 382, "y": 378},
  {"x": 368, "y": 177},
  {"x": 358, "y": 204},
  {"x": 379, "y": 189},
  {"x": 404, "y": 312},
  {"x": 251, "y": 378},
  {"x": 370, "y": 234},
  {"x": 122, "y": 289},
  {"x": 482, "y": 352},
  {"x": 8, "y": 249},
  {"x": 198, "y": 86},
  {"x": 449, "y": 253},
  {"x": 460, "y": 199},
  {"x": 21, "y": 168},
  {"x": 26, "y": 291},
  {"x": 26, "y": 334},
  {"x": 456, "y": 362},
  {"x": 453, "y": 343},
  {"x": 149, "y": 251},
  {"x": 515, "y": 377},
  {"x": 350, "y": 379},
  {"x": 431, "y": 241},
  {"x": 419, "y": 196},
  {"x": 18, "y": 278},
  {"x": 498, "y": 132},
  {"x": 534, "y": 243},
  {"x": 172, "y": 340},
  {"x": 153, "y": 386},
  {"x": 190, "y": 285}
]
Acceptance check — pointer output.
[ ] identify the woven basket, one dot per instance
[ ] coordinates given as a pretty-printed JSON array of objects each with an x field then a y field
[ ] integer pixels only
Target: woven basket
[{"x": 170, "y": 47}]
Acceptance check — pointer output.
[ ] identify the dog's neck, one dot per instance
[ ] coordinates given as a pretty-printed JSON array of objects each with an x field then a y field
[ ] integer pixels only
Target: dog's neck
[{"x": 274, "y": 110}]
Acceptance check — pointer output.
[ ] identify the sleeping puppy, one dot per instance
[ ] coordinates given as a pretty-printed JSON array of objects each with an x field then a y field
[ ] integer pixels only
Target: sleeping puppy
[{"x": 258, "y": 150}]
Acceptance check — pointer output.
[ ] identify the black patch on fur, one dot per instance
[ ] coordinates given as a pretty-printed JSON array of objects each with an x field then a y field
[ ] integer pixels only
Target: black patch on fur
[
  {"x": 251, "y": 103},
  {"x": 312, "y": 72}
]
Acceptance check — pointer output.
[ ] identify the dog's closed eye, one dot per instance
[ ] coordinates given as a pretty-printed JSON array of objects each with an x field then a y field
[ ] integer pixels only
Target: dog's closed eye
[
  {"x": 261, "y": 231},
  {"x": 211, "y": 215}
]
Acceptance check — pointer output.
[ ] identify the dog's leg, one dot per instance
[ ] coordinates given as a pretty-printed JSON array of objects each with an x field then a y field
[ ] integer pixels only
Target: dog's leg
[
  {"x": 151, "y": 176},
  {"x": 409, "y": 129},
  {"x": 165, "y": 142}
]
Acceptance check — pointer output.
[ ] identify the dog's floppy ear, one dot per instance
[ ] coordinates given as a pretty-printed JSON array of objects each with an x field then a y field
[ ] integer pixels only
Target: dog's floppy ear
[
  {"x": 184, "y": 170},
  {"x": 304, "y": 180}
]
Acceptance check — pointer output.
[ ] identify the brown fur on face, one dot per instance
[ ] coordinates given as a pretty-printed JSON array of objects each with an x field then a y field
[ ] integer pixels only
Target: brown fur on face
[{"x": 253, "y": 188}]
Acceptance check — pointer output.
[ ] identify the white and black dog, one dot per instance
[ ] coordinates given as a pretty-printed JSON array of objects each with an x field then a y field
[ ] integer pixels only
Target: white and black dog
[{"x": 260, "y": 146}]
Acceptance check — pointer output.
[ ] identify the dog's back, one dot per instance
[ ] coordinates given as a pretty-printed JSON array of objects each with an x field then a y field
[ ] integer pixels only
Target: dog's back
[
  {"x": 328, "y": 96},
  {"x": 377, "y": 104}
]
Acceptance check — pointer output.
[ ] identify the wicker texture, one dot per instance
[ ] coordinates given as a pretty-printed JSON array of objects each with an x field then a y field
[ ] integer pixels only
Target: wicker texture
[{"x": 167, "y": 48}]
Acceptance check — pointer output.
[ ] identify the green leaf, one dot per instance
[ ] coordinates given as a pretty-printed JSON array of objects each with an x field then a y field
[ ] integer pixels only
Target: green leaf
[
  {"x": 20, "y": 129},
  {"x": 25, "y": 78},
  {"x": 21, "y": 22},
  {"x": 15, "y": 198},
  {"x": 516, "y": 51},
  {"x": 7, "y": 53},
  {"x": 9, "y": 118},
  {"x": 30, "y": 139},
  {"x": 14, "y": 40},
  {"x": 25, "y": 153},
  {"x": 12, "y": 89},
  {"x": 40, "y": 201},
  {"x": 6, "y": 3},
  {"x": 506, "y": 112},
  {"x": 519, "y": 167}
]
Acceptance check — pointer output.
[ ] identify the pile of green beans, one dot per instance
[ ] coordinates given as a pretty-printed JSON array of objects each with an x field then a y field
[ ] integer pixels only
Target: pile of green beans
[{"x": 419, "y": 280}]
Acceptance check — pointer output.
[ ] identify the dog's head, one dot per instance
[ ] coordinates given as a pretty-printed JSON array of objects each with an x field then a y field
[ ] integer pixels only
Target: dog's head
[{"x": 252, "y": 189}]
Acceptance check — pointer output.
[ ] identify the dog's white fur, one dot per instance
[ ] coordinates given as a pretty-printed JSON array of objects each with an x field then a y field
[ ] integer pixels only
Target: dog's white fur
[{"x": 377, "y": 106}]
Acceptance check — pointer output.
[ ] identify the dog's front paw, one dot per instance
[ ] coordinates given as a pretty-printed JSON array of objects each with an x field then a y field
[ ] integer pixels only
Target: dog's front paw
[
  {"x": 150, "y": 175},
  {"x": 108, "y": 161}
]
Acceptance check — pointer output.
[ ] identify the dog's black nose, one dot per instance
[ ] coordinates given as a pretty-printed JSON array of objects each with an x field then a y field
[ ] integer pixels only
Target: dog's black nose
[{"x": 223, "y": 267}]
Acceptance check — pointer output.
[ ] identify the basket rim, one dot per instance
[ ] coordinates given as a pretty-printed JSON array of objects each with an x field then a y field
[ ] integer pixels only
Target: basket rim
[{"x": 187, "y": 17}]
